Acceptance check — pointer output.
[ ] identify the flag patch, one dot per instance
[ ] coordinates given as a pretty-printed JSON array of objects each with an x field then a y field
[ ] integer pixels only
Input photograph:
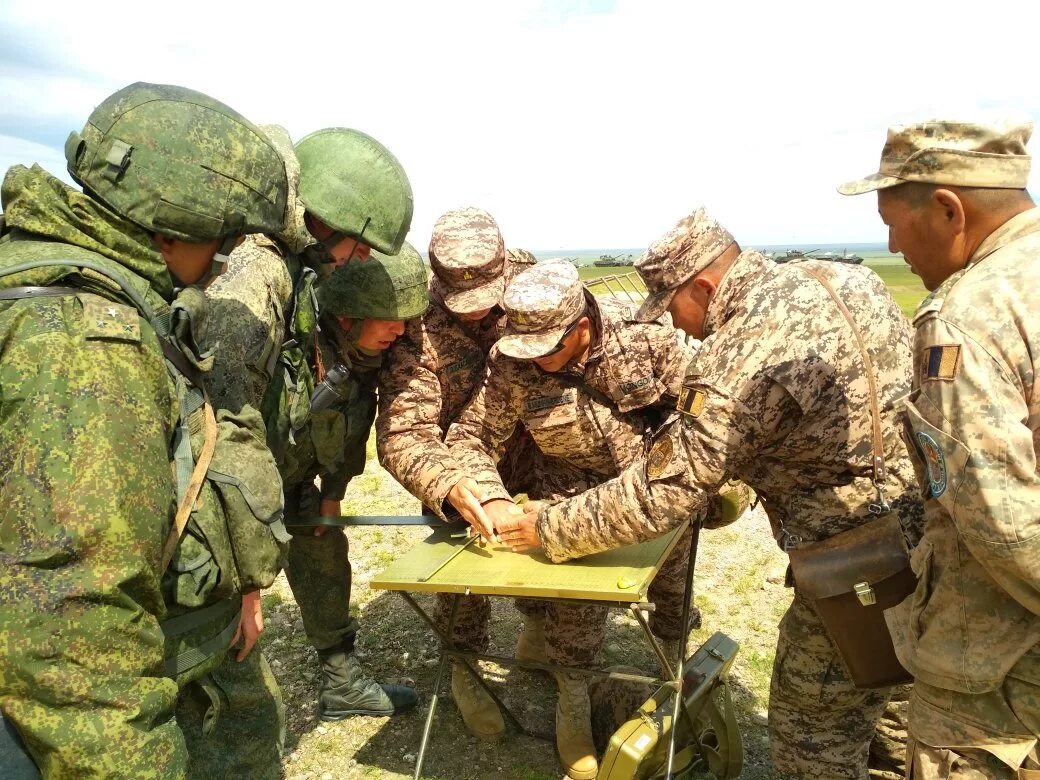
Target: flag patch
[
  {"x": 691, "y": 402},
  {"x": 942, "y": 362}
]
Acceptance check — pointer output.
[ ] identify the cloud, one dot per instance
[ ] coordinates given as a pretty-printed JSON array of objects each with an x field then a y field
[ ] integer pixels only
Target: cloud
[{"x": 582, "y": 123}]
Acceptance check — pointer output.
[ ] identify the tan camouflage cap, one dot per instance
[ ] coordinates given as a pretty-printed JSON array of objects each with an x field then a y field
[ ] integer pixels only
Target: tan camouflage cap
[
  {"x": 517, "y": 260},
  {"x": 467, "y": 256},
  {"x": 965, "y": 154},
  {"x": 541, "y": 303},
  {"x": 683, "y": 252}
]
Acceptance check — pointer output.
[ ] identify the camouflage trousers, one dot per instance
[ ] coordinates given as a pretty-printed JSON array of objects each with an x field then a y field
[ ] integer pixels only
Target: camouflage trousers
[
  {"x": 319, "y": 575},
  {"x": 233, "y": 721},
  {"x": 985, "y": 736},
  {"x": 820, "y": 724}
]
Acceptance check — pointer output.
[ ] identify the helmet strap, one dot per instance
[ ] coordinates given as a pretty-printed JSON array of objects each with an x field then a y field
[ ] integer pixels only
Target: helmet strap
[{"x": 220, "y": 259}]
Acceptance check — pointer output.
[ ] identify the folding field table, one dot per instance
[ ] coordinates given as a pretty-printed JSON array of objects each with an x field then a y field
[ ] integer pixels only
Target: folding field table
[{"x": 619, "y": 578}]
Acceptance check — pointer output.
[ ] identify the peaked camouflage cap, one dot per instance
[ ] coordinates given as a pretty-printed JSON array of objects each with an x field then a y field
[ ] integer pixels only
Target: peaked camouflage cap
[
  {"x": 467, "y": 256},
  {"x": 354, "y": 184},
  {"x": 383, "y": 287},
  {"x": 179, "y": 163},
  {"x": 517, "y": 260},
  {"x": 965, "y": 154},
  {"x": 541, "y": 303},
  {"x": 692, "y": 245}
]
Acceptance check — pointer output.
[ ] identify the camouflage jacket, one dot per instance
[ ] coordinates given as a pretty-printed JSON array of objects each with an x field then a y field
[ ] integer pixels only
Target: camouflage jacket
[
  {"x": 428, "y": 376},
  {"x": 331, "y": 443},
  {"x": 776, "y": 397},
  {"x": 634, "y": 368},
  {"x": 973, "y": 429},
  {"x": 96, "y": 433}
]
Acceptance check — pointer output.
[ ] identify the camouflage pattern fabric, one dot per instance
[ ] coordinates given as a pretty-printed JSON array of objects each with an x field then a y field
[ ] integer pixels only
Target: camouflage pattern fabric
[
  {"x": 971, "y": 632},
  {"x": 965, "y": 154},
  {"x": 638, "y": 367},
  {"x": 467, "y": 256},
  {"x": 516, "y": 261},
  {"x": 319, "y": 574},
  {"x": 428, "y": 376},
  {"x": 778, "y": 399},
  {"x": 86, "y": 414},
  {"x": 820, "y": 724},
  {"x": 234, "y": 721},
  {"x": 887, "y": 759}
]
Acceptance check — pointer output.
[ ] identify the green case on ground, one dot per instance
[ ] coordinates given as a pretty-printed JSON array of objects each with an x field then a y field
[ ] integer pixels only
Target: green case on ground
[{"x": 639, "y": 748}]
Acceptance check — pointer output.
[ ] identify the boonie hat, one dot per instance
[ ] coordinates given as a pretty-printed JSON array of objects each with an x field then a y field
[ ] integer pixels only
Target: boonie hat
[
  {"x": 692, "y": 245},
  {"x": 540, "y": 303},
  {"x": 965, "y": 154},
  {"x": 467, "y": 256}
]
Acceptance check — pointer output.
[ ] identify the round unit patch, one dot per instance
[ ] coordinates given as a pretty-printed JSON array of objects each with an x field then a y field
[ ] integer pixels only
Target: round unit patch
[
  {"x": 659, "y": 457},
  {"x": 936, "y": 463}
]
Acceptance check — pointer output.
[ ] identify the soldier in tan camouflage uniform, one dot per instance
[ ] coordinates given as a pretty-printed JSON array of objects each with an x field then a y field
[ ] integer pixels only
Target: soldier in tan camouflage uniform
[
  {"x": 589, "y": 385},
  {"x": 779, "y": 398},
  {"x": 429, "y": 375},
  {"x": 954, "y": 199}
]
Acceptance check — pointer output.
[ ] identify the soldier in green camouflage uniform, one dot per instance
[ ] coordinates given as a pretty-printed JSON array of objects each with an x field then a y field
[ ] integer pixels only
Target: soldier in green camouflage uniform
[
  {"x": 953, "y": 195},
  {"x": 92, "y": 419},
  {"x": 349, "y": 195}
]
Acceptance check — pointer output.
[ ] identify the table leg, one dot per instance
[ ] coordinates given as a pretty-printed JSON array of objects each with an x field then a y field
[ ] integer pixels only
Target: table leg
[{"x": 437, "y": 685}]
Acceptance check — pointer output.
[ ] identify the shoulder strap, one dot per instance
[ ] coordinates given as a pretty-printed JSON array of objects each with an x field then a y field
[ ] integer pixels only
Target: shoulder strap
[
  {"x": 577, "y": 382},
  {"x": 878, "y": 456}
]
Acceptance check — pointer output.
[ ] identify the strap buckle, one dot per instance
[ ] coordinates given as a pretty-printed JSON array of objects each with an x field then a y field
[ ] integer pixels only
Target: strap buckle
[{"x": 865, "y": 594}]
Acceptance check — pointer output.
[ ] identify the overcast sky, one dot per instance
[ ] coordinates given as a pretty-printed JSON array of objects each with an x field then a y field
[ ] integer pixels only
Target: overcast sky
[{"x": 577, "y": 124}]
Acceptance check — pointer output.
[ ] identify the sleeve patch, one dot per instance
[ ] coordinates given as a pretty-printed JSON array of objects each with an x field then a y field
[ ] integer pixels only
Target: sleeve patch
[
  {"x": 659, "y": 457},
  {"x": 691, "y": 402},
  {"x": 103, "y": 319},
  {"x": 942, "y": 362}
]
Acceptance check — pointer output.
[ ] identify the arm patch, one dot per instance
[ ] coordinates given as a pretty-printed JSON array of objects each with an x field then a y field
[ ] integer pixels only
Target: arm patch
[{"x": 691, "y": 401}]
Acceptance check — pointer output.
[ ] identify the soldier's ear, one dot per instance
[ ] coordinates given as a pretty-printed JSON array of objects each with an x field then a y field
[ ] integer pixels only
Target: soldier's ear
[{"x": 949, "y": 207}]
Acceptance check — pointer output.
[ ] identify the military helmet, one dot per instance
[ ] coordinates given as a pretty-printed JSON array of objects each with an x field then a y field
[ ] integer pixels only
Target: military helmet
[
  {"x": 384, "y": 287},
  {"x": 179, "y": 163},
  {"x": 353, "y": 184}
]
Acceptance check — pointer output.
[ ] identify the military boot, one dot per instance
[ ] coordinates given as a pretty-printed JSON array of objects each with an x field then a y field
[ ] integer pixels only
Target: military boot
[
  {"x": 479, "y": 711},
  {"x": 531, "y": 645},
  {"x": 346, "y": 690},
  {"x": 574, "y": 728}
]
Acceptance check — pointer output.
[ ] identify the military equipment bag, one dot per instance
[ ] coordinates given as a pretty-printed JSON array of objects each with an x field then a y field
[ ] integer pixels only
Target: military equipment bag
[
  {"x": 707, "y": 737},
  {"x": 852, "y": 578}
]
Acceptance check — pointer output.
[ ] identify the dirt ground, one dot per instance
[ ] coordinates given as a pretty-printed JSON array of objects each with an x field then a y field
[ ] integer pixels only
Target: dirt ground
[{"x": 739, "y": 590}]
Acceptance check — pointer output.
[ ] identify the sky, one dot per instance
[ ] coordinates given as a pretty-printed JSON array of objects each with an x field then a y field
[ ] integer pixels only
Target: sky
[{"x": 576, "y": 124}]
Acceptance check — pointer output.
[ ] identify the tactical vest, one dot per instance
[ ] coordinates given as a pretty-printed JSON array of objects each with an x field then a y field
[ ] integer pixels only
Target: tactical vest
[
  {"x": 286, "y": 403},
  {"x": 200, "y": 586}
]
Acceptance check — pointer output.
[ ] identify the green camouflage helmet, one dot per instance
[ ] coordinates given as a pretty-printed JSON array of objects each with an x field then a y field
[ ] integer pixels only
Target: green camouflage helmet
[
  {"x": 384, "y": 287},
  {"x": 179, "y": 163},
  {"x": 353, "y": 184}
]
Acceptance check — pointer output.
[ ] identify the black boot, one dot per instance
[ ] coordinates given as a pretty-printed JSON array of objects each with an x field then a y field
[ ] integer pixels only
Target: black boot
[{"x": 346, "y": 690}]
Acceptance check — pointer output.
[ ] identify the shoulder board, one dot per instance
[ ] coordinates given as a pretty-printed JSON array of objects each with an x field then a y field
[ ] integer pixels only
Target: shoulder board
[
  {"x": 105, "y": 319},
  {"x": 934, "y": 301}
]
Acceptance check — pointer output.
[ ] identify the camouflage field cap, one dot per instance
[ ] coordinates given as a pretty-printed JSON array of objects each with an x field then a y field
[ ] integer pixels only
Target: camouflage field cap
[
  {"x": 467, "y": 256},
  {"x": 353, "y": 184},
  {"x": 180, "y": 163},
  {"x": 684, "y": 251},
  {"x": 965, "y": 154},
  {"x": 517, "y": 260},
  {"x": 541, "y": 303},
  {"x": 384, "y": 287}
]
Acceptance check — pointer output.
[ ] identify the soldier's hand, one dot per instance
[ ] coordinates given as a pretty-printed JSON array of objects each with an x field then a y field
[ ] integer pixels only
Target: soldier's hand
[
  {"x": 501, "y": 510},
  {"x": 251, "y": 626},
  {"x": 466, "y": 497},
  {"x": 328, "y": 508},
  {"x": 521, "y": 532}
]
